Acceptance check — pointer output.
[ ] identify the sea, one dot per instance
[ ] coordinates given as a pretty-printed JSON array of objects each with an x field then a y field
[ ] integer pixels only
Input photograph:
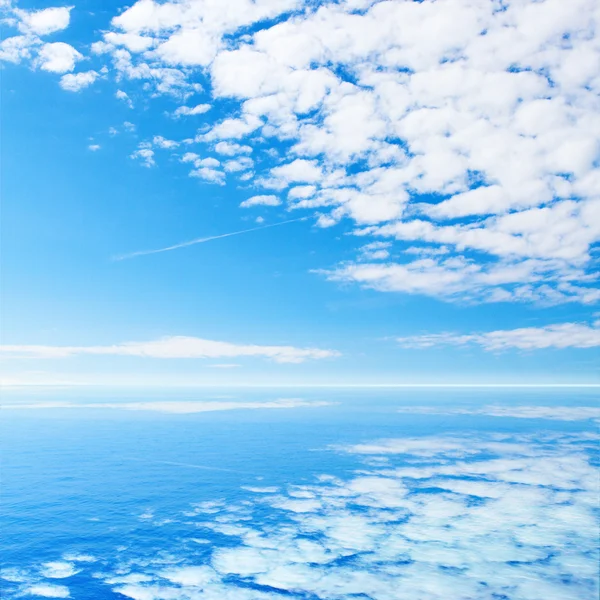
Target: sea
[{"x": 312, "y": 493}]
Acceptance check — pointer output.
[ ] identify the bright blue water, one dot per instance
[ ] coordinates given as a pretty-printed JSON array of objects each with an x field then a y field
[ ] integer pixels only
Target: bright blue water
[{"x": 125, "y": 488}]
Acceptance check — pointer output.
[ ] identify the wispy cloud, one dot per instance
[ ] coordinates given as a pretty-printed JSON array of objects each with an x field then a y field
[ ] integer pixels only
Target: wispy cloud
[
  {"x": 563, "y": 335},
  {"x": 203, "y": 240},
  {"x": 173, "y": 347},
  {"x": 174, "y": 407},
  {"x": 554, "y": 413}
]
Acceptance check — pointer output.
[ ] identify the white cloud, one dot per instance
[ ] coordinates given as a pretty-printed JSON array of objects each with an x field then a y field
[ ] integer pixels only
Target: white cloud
[
  {"x": 555, "y": 413},
  {"x": 426, "y": 250},
  {"x": 144, "y": 154},
  {"x": 231, "y": 148},
  {"x": 161, "y": 142},
  {"x": 17, "y": 48},
  {"x": 243, "y": 163},
  {"x": 480, "y": 137},
  {"x": 179, "y": 34},
  {"x": 121, "y": 95},
  {"x": 376, "y": 251},
  {"x": 45, "y": 21},
  {"x": 209, "y": 163},
  {"x": 174, "y": 347},
  {"x": 131, "y": 41},
  {"x": 74, "y": 82},
  {"x": 299, "y": 170},
  {"x": 199, "y": 109},
  {"x": 261, "y": 201},
  {"x": 457, "y": 278},
  {"x": 564, "y": 335},
  {"x": 61, "y": 569},
  {"x": 58, "y": 57},
  {"x": 94, "y": 147},
  {"x": 209, "y": 174},
  {"x": 232, "y": 129}
]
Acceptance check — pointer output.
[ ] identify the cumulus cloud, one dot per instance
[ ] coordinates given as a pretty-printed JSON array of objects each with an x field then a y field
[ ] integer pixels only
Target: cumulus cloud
[
  {"x": 145, "y": 155},
  {"x": 17, "y": 48},
  {"x": 45, "y": 21},
  {"x": 563, "y": 335},
  {"x": 185, "y": 111},
  {"x": 476, "y": 143},
  {"x": 58, "y": 57},
  {"x": 121, "y": 95},
  {"x": 231, "y": 148},
  {"x": 161, "y": 142},
  {"x": 74, "y": 82},
  {"x": 479, "y": 138},
  {"x": 299, "y": 170},
  {"x": 174, "y": 347},
  {"x": 268, "y": 200},
  {"x": 209, "y": 174}
]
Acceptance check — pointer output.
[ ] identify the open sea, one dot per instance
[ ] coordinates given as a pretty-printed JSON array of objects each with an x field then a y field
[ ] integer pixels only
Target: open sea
[{"x": 215, "y": 494}]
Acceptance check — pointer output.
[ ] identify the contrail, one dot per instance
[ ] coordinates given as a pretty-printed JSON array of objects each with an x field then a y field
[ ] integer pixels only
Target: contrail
[{"x": 202, "y": 240}]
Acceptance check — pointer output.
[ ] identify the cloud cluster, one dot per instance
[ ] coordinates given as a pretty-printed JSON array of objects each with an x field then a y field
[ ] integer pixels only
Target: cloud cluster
[
  {"x": 483, "y": 516},
  {"x": 173, "y": 347},
  {"x": 480, "y": 137},
  {"x": 564, "y": 335},
  {"x": 28, "y": 46},
  {"x": 469, "y": 128}
]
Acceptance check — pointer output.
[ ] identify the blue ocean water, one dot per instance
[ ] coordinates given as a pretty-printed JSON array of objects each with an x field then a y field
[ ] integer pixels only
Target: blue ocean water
[{"x": 410, "y": 494}]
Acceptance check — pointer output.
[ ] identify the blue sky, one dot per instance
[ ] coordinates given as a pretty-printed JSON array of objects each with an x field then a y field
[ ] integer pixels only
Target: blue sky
[{"x": 441, "y": 192}]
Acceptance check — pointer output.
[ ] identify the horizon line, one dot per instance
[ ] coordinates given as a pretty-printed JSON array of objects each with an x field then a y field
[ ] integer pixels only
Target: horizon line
[{"x": 307, "y": 385}]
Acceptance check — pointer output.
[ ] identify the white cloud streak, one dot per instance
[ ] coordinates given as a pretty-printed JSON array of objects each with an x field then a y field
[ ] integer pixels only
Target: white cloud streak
[
  {"x": 563, "y": 335},
  {"x": 553, "y": 413},
  {"x": 186, "y": 111},
  {"x": 268, "y": 200},
  {"x": 172, "y": 348},
  {"x": 171, "y": 407}
]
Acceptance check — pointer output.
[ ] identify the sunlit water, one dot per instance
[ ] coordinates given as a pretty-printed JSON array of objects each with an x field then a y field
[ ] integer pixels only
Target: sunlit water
[{"x": 407, "y": 494}]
